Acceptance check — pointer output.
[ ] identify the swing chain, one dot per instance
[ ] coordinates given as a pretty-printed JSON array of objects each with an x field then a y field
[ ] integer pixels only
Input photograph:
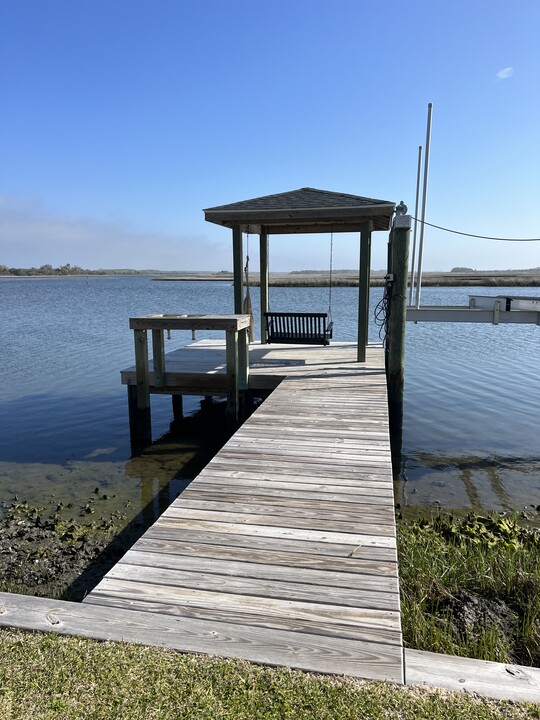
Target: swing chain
[
  {"x": 246, "y": 267},
  {"x": 330, "y": 273}
]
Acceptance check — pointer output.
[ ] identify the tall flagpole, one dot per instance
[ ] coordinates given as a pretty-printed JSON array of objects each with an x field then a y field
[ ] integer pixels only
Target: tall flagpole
[
  {"x": 424, "y": 197},
  {"x": 413, "y": 257}
]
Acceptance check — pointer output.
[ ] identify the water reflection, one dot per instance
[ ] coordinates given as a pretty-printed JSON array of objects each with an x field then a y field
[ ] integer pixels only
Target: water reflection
[
  {"x": 140, "y": 488},
  {"x": 471, "y": 482}
]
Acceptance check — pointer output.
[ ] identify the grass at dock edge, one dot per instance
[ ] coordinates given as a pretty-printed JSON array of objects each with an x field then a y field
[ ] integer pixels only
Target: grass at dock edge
[{"x": 470, "y": 586}]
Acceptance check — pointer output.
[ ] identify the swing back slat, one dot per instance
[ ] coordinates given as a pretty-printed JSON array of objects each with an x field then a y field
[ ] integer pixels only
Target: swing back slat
[{"x": 298, "y": 328}]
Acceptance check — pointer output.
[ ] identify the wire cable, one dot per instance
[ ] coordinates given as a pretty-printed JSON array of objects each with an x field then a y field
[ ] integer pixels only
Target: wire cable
[
  {"x": 481, "y": 237},
  {"x": 382, "y": 313}
]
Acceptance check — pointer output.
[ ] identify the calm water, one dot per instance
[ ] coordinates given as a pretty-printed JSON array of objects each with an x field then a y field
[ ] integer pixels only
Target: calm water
[{"x": 471, "y": 408}]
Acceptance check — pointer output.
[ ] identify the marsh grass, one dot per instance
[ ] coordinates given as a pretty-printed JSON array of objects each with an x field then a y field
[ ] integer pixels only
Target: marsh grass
[{"x": 470, "y": 586}]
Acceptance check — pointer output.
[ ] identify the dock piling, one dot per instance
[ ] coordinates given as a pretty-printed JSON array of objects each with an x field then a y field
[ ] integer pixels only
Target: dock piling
[{"x": 395, "y": 369}]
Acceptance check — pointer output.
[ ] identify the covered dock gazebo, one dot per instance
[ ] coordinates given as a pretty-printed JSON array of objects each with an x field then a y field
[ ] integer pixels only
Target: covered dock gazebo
[{"x": 304, "y": 211}]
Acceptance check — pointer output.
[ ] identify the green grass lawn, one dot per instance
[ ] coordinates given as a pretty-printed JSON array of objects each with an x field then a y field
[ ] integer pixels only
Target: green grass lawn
[{"x": 45, "y": 676}]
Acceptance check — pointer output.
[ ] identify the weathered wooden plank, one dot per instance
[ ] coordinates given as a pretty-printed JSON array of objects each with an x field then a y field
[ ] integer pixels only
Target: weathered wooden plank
[
  {"x": 212, "y": 581},
  {"x": 376, "y": 496},
  {"x": 293, "y": 466},
  {"x": 244, "y": 488},
  {"x": 258, "y": 568},
  {"x": 331, "y": 462},
  {"x": 274, "y": 647},
  {"x": 333, "y": 445},
  {"x": 353, "y": 475},
  {"x": 490, "y": 679},
  {"x": 173, "y": 531},
  {"x": 183, "y": 510},
  {"x": 388, "y": 636},
  {"x": 159, "y": 321},
  {"x": 300, "y": 433},
  {"x": 230, "y": 502},
  {"x": 353, "y": 423},
  {"x": 265, "y": 606},
  {"x": 190, "y": 553},
  {"x": 353, "y": 539}
]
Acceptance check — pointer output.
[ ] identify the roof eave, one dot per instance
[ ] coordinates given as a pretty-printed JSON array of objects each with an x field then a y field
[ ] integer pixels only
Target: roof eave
[{"x": 305, "y": 217}]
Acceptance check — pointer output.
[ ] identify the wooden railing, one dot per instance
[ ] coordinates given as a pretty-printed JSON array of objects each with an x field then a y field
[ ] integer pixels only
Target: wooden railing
[{"x": 235, "y": 327}]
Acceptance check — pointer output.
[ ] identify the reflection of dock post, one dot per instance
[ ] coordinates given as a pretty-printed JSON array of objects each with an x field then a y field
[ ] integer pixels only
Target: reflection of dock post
[
  {"x": 177, "y": 410},
  {"x": 395, "y": 369}
]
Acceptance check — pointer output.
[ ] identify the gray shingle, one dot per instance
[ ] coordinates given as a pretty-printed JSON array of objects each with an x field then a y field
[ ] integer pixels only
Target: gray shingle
[{"x": 303, "y": 198}]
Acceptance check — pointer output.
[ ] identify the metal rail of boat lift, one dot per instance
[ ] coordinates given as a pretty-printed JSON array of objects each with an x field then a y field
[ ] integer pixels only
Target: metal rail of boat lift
[{"x": 482, "y": 309}]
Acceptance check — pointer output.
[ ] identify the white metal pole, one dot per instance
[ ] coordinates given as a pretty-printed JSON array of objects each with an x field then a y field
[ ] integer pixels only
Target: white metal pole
[
  {"x": 413, "y": 257},
  {"x": 424, "y": 197}
]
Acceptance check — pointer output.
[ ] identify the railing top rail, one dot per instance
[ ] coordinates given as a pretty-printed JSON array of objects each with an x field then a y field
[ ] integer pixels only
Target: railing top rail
[{"x": 171, "y": 321}]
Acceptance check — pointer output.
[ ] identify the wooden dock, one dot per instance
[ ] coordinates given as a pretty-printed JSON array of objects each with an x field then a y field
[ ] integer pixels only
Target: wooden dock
[{"x": 283, "y": 550}]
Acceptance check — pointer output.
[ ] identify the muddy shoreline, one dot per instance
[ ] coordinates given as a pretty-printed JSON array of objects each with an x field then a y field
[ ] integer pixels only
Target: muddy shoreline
[
  {"x": 48, "y": 551},
  {"x": 60, "y": 544}
]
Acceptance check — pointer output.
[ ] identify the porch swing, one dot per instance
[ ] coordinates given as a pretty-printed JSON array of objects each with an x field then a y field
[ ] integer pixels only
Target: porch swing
[{"x": 302, "y": 328}]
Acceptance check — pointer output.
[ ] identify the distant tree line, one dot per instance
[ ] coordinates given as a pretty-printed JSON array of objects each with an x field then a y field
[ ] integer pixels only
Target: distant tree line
[{"x": 62, "y": 270}]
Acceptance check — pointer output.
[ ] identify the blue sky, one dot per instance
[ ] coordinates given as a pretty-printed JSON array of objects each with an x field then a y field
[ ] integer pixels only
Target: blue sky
[{"x": 121, "y": 119}]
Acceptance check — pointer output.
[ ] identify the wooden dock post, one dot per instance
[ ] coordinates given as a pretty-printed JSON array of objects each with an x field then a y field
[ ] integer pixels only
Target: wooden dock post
[
  {"x": 140, "y": 419},
  {"x": 233, "y": 388},
  {"x": 238, "y": 268},
  {"x": 363, "y": 291},
  {"x": 263, "y": 253},
  {"x": 399, "y": 255},
  {"x": 158, "y": 355}
]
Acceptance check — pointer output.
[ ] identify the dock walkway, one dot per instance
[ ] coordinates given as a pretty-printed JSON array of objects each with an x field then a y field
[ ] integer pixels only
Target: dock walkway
[{"x": 283, "y": 550}]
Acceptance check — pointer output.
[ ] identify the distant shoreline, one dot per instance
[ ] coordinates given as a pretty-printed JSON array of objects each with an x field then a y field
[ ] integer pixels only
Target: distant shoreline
[{"x": 430, "y": 279}]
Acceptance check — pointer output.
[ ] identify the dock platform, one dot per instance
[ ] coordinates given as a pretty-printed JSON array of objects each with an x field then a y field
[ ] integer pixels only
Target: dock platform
[{"x": 283, "y": 549}]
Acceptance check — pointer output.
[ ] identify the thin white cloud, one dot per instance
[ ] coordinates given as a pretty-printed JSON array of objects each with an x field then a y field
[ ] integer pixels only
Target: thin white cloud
[
  {"x": 505, "y": 73},
  {"x": 33, "y": 236}
]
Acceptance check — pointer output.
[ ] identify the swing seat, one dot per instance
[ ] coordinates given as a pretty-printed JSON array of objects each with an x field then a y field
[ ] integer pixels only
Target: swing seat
[{"x": 298, "y": 328}]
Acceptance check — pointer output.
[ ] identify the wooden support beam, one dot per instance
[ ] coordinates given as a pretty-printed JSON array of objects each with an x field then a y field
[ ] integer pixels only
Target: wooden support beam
[
  {"x": 158, "y": 353},
  {"x": 139, "y": 401},
  {"x": 238, "y": 258},
  {"x": 243, "y": 359},
  {"x": 363, "y": 291},
  {"x": 233, "y": 388},
  {"x": 243, "y": 374},
  {"x": 141, "y": 368},
  {"x": 263, "y": 250}
]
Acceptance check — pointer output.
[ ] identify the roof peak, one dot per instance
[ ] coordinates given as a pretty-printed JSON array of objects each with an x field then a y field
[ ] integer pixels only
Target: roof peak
[
  {"x": 304, "y": 197},
  {"x": 305, "y": 210}
]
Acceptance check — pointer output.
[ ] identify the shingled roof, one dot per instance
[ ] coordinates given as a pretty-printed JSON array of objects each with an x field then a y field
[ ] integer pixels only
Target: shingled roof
[{"x": 303, "y": 211}]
